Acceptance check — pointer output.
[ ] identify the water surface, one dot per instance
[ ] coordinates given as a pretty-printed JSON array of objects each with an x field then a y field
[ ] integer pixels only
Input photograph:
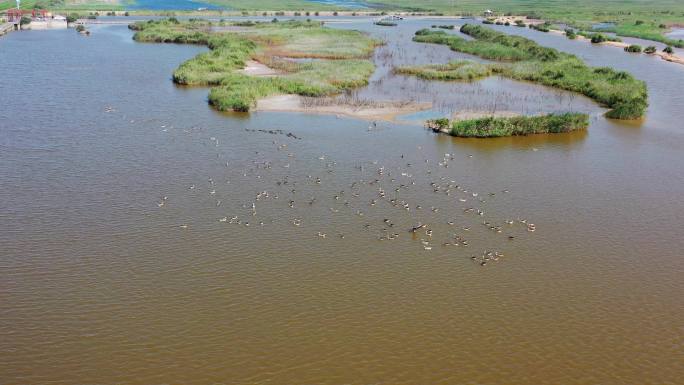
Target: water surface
[
  {"x": 101, "y": 285},
  {"x": 676, "y": 33}
]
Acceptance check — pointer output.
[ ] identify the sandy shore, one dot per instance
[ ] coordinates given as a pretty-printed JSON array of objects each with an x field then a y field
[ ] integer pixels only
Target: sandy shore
[
  {"x": 381, "y": 111},
  {"x": 254, "y": 68}
]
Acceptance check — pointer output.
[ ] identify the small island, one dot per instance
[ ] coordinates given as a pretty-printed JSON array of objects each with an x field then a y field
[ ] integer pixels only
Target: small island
[
  {"x": 249, "y": 60},
  {"x": 491, "y": 127},
  {"x": 523, "y": 59}
]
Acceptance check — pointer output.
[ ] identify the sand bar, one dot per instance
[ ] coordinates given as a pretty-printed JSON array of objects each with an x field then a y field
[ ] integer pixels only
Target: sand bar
[{"x": 381, "y": 111}]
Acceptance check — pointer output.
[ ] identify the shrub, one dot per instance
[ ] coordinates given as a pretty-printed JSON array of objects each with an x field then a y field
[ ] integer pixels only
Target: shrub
[
  {"x": 650, "y": 49},
  {"x": 385, "y": 23},
  {"x": 570, "y": 33},
  {"x": 598, "y": 38},
  {"x": 72, "y": 18},
  {"x": 519, "y": 23},
  {"x": 441, "y": 124},
  {"x": 639, "y": 22},
  {"x": 541, "y": 27},
  {"x": 126, "y": 13},
  {"x": 25, "y": 20},
  {"x": 668, "y": 50},
  {"x": 634, "y": 48},
  {"x": 335, "y": 13},
  {"x": 80, "y": 28}
]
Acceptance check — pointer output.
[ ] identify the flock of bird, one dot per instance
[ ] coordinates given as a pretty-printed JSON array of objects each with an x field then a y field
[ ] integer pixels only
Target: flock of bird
[{"x": 412, "y": 196}]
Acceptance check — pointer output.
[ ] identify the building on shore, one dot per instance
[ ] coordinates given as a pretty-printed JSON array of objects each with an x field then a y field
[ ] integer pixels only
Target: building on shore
[{"x": 40, "y": 19}]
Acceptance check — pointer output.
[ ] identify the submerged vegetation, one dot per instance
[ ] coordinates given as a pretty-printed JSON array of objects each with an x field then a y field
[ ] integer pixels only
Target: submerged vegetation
[
  {"x": 455, "y": 70},
  {"x": 335, "y": 60},
  {"x": 525, "y": 60},
  {"x": 489, "y": 127}
]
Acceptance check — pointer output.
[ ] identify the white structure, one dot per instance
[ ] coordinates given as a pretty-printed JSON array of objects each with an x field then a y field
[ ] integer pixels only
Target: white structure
[{"x": 54, "y": 22}]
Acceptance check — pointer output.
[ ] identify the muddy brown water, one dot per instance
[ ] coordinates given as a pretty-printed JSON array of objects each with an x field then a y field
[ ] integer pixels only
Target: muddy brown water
[{"x": 100, "y": 285}]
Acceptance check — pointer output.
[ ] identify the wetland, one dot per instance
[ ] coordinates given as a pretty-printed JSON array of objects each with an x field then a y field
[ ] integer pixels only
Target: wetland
[{"x": 150, "y": 237}]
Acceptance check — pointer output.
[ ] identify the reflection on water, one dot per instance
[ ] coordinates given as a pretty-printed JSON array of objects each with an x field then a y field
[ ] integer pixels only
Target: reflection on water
[
  {"x": 102, "y": 285},
  {"x": 676, "y": 33}
]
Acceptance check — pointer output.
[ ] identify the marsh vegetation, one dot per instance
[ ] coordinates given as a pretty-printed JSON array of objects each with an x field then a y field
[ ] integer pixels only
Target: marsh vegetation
[
  {"x": 454, "y": 70},
  {"x": 524, "y": 59},
  {"x": 340, "y": 58},
  {"x": 489, "y": 127}
]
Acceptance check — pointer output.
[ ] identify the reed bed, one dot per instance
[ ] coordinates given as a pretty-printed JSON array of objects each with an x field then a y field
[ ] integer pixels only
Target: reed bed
[
  {"x": 490, "y": 127},
  {"x": 620, "y": 91},
  {"x": 342, "y": 59},
  {"x": 466, "y": 70}
]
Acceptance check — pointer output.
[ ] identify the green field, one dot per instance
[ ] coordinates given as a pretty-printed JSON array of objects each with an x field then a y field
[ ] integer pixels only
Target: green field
[{"x": 336, "y": 60}]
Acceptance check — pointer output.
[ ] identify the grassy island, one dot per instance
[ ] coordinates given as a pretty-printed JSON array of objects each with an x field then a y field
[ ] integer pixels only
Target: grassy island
[
  {"x": 524, "y": 59},
  {"x": 306, "y": 58},
  {"x": 490, "y": 127}
]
